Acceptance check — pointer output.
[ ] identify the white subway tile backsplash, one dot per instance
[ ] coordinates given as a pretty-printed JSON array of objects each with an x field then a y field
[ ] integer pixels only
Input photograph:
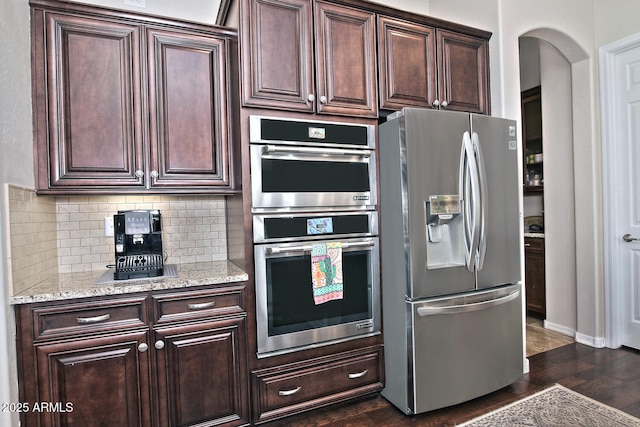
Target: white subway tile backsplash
[{"x": 51, "y": 235}]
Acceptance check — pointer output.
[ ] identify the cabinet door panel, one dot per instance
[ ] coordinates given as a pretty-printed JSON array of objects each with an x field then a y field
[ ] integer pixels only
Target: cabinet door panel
[
  {"x": 345, "y": 61},
  {"x": 535, "y": 275},
  {"x": 188, "y": 113},
  {"x": 277, "y": 54},
  {"x": 463, "y": 76},
  {"x": 201, "y": 374},
  {"x": 407, "y": 64},
  {"x": 104, "y": 379},
  {"x": 94, "y": 135}
]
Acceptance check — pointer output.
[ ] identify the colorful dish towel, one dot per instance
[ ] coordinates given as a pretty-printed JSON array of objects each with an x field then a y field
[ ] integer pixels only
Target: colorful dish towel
[{"x": 326, "y": 271}]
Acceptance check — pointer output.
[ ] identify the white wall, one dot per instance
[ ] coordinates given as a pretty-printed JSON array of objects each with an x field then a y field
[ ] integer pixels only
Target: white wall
[
  {"x": 16, "y": 165},
  {"x": 615, "y": 20},
  {"x": 190, "y": 10},
  {"x": 560, "y": 237}
]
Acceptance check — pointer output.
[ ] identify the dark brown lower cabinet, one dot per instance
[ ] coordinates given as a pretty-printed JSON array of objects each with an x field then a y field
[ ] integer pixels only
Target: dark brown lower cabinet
[
  {"x": 135, "y": 360},
  {"x": 100, "y": 381},
  {"x": 199, "y": 373},
  {"x": 288, "y": 389},
  {"x": 534, "y": 275}
]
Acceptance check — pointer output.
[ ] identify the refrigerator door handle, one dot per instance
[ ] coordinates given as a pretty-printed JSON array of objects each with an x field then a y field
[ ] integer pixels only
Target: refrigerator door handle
[
  {"x": 469, "y": 189},
  {"x": 465, "y": 308},
  {"x": 482, "y": 241}
]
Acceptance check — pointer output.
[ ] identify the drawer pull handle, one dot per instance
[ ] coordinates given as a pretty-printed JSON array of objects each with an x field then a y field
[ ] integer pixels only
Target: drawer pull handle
[
  {"x": 358, "y": 374},
  {"x": 201, "y": 306},
  {"x": 96, "y": 319},
  {"x": 289, "y": 392}
]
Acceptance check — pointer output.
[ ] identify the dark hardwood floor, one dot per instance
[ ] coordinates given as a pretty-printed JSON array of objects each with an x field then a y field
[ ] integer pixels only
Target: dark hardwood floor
[{"x": 609, "y": 376}]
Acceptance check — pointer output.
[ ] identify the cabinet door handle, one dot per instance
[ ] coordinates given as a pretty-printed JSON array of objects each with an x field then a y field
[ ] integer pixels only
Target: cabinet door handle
[
  {"x": 444, "y": 104},
  {"x": 139, "y": 173},
  {"x": 159, "y": 344},
  {"x": 311, "y": 97},
  {"x": 289, "y": 392},
  {"x": 201, "y": 306},
  {"x": 435, "y": 103},
  {"x": 358, "y": 374},
  {"x": 143, "y": 347},
  {"x": 526, "y": 245},
  {"x": 323, "y": 99},
  {"x": 95, "y": 319}
]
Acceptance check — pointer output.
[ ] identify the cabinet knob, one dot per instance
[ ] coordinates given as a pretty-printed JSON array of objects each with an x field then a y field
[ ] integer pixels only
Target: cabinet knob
[
  {"x": 435, "y": 103},
  {"x": 323, "y": 99},
  {"x": 154, "y": 174},
  {"x": 311, "y": 97},
  {"x": 139, "y": 173},
  {"x": 143, "y": 347},
  {"x": 444, "y": 104},
  {"x": 159, "y": 344}
]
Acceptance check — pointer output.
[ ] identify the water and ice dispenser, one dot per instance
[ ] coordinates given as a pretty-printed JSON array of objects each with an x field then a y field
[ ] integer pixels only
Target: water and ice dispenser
[{"x": 445, "y": 238}]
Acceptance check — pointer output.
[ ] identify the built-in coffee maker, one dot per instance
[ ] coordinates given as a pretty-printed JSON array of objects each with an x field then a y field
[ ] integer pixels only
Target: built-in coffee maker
[{"x": 138, "y": 244}]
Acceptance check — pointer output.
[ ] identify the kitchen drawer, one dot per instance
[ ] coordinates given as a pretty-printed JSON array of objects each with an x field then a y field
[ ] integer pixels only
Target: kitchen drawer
[
  {"x": 534, "y": 244},
  {"x": 180, "y": 306},
  {"x": 295, "y": 388},
  {"x": 87, "y": 317}
]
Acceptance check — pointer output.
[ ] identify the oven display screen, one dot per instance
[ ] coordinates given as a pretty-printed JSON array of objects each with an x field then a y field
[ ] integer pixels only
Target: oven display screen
[{"x": 319, "y": 226}]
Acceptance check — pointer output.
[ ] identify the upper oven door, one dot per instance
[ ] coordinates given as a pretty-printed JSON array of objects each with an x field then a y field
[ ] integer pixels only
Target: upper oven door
[{"x": 286, "y": 176}]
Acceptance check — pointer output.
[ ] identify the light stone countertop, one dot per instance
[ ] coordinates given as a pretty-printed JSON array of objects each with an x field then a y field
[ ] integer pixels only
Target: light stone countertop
[
  {"x": 82, "y": 285},
  {"x": 536, "y": 235}
]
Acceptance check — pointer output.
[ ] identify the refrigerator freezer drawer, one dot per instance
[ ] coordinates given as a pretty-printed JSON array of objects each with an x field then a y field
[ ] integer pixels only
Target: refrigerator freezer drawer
[{"x": 465, "y": 347}]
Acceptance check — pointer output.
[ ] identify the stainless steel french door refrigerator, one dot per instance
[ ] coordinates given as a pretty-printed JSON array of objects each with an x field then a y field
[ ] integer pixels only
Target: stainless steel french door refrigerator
[{"x": 450, "y": 257}]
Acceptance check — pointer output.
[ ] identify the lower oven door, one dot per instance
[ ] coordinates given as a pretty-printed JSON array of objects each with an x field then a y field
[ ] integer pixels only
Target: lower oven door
[{"x": 289, "y": 315}]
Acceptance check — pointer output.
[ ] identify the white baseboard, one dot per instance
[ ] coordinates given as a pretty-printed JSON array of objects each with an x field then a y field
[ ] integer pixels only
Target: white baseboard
[
  {"x": 597, "y": 342},
  {"x": 559, "y": 328}
]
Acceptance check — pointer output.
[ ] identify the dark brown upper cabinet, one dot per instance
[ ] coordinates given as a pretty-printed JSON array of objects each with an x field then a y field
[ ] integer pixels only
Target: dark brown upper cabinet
[
  {"x": 463, "y": 72},
  {"x": 128, "y": 103},
  {"x": 299, "y": 55},
  {"x": 427, "y": 67},
  {"x": 407, "y": 64}
]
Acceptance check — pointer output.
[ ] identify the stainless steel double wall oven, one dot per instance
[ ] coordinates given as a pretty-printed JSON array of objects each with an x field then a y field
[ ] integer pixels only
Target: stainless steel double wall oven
[{"x": 313, "y": 184}]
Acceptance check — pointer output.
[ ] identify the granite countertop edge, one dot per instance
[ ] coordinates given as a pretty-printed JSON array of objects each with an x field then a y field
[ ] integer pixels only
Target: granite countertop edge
[
  {"x": 535, "y": 235},
  {"x": 82, "y": 284}
]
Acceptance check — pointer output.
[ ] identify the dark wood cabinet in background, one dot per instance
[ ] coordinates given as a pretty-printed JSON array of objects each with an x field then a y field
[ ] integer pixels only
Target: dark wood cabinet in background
[
  {"x": 164, "y": 358},
  {"x": 532, "y": 149},
  {"x": 426, "y": 67},
  {"x": 534, "y": 275},
  {"x": 123, "y": 103},
  {"x": 299, "y": 55}
]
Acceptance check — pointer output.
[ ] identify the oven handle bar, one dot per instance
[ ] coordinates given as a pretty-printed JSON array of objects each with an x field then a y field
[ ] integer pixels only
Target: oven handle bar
[
  {"x": 307, "y": 150},
  {"x": 307, "y": 248}
]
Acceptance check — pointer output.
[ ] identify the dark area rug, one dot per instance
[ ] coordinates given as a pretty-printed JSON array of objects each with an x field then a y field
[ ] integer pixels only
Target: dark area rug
[{"x": 555, "y": 406}]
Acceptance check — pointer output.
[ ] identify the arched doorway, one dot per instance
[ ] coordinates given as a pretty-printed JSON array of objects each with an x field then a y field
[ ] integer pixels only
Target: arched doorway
[{"x": 562, "y": 66}]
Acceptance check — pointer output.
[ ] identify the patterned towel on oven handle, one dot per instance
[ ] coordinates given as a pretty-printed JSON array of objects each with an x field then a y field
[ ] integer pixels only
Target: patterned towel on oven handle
[{"x": 326, "y": 271}]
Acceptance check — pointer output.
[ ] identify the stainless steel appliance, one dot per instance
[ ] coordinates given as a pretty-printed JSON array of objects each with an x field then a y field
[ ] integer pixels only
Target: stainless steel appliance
[
  {"x": 451, "y": 257},
  {"x": 298, "y": 164},
  {"x": 288, "y": 318},
  {"x": 138, "y": 244}
]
